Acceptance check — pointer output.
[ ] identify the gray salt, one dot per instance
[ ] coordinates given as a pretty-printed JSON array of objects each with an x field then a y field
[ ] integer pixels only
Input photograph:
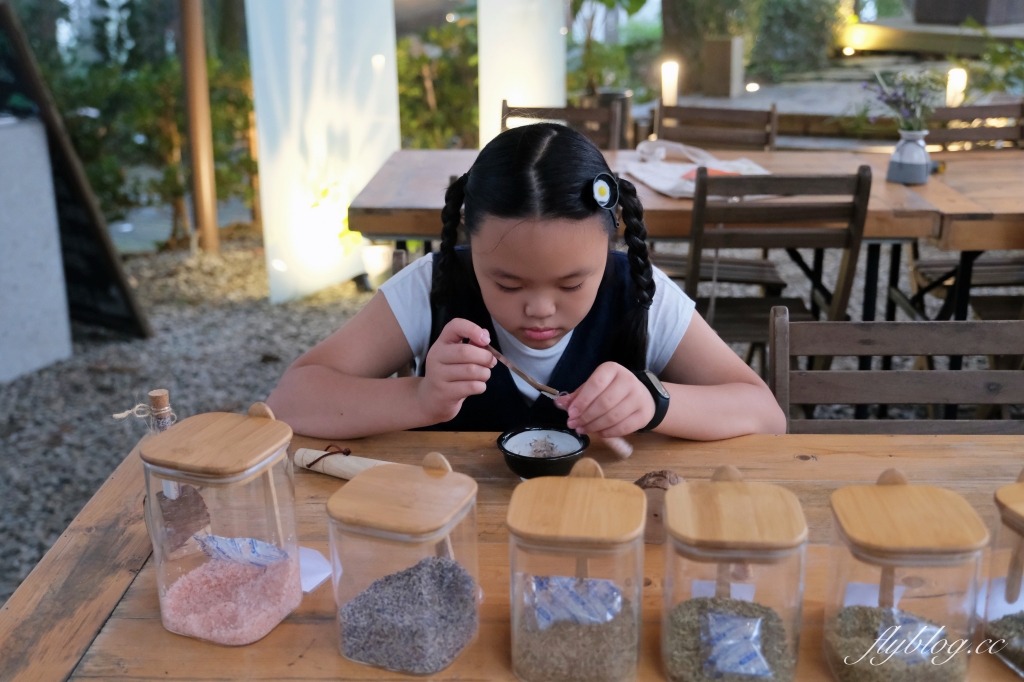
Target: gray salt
[{"x": 415, "y": 621}]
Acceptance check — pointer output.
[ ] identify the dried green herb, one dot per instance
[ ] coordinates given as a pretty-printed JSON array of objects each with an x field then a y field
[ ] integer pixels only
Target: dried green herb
[
  {"x": 1011, "y": 629},
  {"x": 573, "y": 652},
  {"x": 856, "y": 630},
  {"x": 688, "y": 651}
]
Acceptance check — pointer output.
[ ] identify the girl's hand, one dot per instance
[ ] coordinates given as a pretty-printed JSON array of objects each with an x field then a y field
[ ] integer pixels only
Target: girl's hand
[
  {"x": 455, "y": 370},
  {"x": 611, "y": 403}
]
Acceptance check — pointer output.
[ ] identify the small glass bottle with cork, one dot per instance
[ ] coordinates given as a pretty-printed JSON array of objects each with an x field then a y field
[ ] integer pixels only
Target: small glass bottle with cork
[
  {"x": 220, "y": 509},
  {"x": 576, "y": 559},
  {"x": 404, "y": 556},
  {"x": 903, "y": 581},
  {"x": 1004, "y": 618},
  {"x": 734, "y": 579}
]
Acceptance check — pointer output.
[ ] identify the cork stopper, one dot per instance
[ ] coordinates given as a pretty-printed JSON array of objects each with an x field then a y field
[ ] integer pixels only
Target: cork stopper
[{"x": 160, "y": 399}]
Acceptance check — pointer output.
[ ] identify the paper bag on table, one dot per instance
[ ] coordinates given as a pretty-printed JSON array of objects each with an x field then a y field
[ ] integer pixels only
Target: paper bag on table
[{"x": 671, "y": 168}]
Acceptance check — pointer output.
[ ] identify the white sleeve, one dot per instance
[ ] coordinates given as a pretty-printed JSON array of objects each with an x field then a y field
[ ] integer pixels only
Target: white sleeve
[
  {"x": 667, "y": 320},
  {"x": 408, "y": 294}
]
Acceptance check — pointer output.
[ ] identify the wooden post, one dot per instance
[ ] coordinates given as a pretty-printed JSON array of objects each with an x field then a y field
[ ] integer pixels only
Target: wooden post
[{"x": 197, "y": 94}]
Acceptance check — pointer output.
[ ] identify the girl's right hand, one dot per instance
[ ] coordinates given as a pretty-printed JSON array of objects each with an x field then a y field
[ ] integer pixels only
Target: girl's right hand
[{"x": 455, "y": 370}]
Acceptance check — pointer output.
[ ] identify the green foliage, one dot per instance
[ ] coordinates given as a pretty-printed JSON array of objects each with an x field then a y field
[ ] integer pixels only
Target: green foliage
[
  {"x": 889, "y": 8},
  {"x": 794, "y": 36},
  {"x": 689, "y": 22},
  {"x": 1001, "y": 68},
  {"x": 593, "y": 64},
  {"x": 437, "y": 87}
]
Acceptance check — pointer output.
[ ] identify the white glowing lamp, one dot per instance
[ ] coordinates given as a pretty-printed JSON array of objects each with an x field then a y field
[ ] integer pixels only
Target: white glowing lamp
[
  {"x": 521, "y": 58},
  {"x": 326, "y": 94},
  {"x": 956, "y": 86},
  {"x": 670, "y": 83}
]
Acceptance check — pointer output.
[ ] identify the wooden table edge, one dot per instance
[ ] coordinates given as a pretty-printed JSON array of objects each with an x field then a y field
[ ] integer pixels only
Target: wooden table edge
[{"x": 51, "y": 620}]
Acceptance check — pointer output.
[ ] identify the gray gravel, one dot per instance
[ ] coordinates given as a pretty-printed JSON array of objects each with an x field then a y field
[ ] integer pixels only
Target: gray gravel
[{"x": 219, "y": 345}]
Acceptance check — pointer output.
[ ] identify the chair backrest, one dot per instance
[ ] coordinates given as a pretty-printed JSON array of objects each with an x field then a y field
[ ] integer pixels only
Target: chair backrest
[
  {"x": 791, "y": 386},
  {"x": 602, "y": 125},
  {"x": 749, "y": 224},
  {"x": 705, "y": 126},
  {"x": 985, "y": 123}
]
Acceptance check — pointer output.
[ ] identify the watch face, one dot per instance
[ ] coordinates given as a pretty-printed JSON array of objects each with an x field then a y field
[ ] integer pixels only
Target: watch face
[{"x": 657, "y": 384}]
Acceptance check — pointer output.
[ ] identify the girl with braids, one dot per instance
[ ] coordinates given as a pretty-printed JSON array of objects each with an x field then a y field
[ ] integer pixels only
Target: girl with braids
[{"x": 538, "y": 280}]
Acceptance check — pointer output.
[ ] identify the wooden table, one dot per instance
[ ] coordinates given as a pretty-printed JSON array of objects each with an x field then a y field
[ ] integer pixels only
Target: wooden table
[
  {"x": 90, "y": 610},
  {"x": 404, "y": 199}
]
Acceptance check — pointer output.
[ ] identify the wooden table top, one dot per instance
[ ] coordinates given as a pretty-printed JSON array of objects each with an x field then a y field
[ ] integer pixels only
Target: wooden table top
[
  {"x": 90, "y": 609},
  {"x": 972, "y": 205}
]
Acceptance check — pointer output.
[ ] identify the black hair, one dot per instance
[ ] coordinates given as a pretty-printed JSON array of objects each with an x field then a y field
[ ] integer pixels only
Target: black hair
[{"x": 547, "y": 171}]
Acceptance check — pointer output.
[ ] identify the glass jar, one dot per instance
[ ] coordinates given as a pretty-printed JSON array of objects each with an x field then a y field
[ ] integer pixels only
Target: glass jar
[
  {"x": 220, "y": 509},
  {"x": 404, "y": 556},
  {"x": 576, "y": 557},
  {"x": 734, "y": 580},
  {"x": 901, "y": 599},
  {"x": 1004, "y": 617}
]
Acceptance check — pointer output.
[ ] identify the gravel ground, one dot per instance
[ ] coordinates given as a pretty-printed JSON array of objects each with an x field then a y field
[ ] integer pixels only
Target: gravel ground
[{"x": 219, "y": 346}]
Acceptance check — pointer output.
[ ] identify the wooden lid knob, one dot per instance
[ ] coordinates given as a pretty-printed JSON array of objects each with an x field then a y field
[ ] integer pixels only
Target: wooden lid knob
[
  {"x": 159, "y": 399},
  {"x": 586, "y": 468},
  {"x": 261, "y": 410},
  {"x": 893, "y": 477},
  {"x": 435, "y": 461},
  {"x": 727, "y": 473}
]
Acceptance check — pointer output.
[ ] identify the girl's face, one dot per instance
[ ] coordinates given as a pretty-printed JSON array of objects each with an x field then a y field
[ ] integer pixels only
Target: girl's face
[{"x": 539, "y": 278}]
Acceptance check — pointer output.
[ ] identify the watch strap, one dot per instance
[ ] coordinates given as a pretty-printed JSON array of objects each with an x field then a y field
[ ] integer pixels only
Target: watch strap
[{"x": 661, "y": 400}]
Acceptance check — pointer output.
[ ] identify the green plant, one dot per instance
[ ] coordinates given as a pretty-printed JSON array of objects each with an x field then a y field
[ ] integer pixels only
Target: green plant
[
  {"x": 593, "y": 64},
  {"x": 1001, "y": 68},
  {"x": 794, "y": 36},
  {"x": 912, "y": 97},
  {"x": 437, "y": 87}
]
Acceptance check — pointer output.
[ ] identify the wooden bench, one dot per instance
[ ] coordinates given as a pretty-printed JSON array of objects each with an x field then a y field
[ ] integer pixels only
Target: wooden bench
[{"x": 965, "y": 132}]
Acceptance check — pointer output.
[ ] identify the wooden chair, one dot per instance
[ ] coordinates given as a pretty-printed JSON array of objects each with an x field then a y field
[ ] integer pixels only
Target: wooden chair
[
  {"x": 964, "y": 131},
  {"x": 745, "y": 320},
  {"x": 707, "y": 127},
  {"x": 736, "y": 128},
  {"x": 791, "y": 386},
  {"x": 602, "y": 125}
]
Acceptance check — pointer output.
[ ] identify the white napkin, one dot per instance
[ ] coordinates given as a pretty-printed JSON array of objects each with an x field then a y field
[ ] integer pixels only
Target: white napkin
[
  {"x": 661, "y": 171},
  {"x": 313, "y": 568}
]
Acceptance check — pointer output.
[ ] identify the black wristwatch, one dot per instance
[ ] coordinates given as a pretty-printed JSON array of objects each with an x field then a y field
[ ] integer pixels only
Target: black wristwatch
[{"x": 659, "y": 394}]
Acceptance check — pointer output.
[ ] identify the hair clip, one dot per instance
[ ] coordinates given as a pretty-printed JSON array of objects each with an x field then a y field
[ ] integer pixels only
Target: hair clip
[{"x": 606, "y": 190}]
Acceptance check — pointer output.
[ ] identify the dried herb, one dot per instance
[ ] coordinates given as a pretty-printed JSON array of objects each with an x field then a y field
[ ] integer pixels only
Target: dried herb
[
  {"x": 573, "y": 652},
  {"x": 690, "y": 656},
  {"x": 856, "y": 630},
  {"x": 415, "y": 621},
  {"x": 1011, "y": 629}
]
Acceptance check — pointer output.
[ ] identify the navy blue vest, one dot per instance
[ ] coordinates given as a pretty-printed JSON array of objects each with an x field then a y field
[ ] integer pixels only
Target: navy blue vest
[{"x": 594, "y": 341}]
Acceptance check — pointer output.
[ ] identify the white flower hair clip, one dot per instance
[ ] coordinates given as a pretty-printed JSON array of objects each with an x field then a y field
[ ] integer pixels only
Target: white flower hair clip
[{"x": 606, "y": 190}]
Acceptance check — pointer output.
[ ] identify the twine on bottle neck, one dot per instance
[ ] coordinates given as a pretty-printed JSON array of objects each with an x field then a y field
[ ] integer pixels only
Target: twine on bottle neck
[{"x": 159, "y": 420}]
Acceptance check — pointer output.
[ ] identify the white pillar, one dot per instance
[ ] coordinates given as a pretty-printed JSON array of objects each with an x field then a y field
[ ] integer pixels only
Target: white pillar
[
  {"x": 326, "y": 95},
  {"x": 522, "y": 57},
  {"x": 34, "y": 326}
]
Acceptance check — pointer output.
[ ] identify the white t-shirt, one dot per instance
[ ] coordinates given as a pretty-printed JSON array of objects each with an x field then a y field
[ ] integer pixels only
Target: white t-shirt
[{"x": 408, "y": 294}]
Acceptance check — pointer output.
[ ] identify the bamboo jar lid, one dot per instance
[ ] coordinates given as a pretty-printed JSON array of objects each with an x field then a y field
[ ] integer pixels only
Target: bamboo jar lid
[
  {"x": 893, "y": 521},
  {"x": 218, "y": 444},
  {"x": 583, "y": 508},
  {"x": 728, "y": 513},
  {"x": 401, "y": 499}
]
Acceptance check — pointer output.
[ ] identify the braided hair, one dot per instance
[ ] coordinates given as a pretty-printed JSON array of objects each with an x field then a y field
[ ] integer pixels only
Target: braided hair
[{"x": 547, "y": 171}]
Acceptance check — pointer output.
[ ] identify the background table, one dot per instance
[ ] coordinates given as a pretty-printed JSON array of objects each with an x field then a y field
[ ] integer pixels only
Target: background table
[{"x": 90, "y": 610}]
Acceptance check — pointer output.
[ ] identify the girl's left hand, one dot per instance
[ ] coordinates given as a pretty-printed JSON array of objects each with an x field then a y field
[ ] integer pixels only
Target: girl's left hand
[{"x": 611, "y": 403}]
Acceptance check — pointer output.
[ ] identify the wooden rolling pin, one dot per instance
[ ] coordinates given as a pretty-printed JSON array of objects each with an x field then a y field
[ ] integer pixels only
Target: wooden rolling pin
[{"x": 335, "y": 464}]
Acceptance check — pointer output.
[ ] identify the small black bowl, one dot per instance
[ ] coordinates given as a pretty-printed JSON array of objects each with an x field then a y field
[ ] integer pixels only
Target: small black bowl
[{"x": 532, "y": 467}]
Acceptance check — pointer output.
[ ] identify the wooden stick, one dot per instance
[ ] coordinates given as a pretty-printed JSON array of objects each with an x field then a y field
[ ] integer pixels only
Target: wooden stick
[
  {"x": 438, "y": 462},
  {"x": 263, "y": 411},
  {"x": 585, "y": 468},
  {"x": 887, "y": 583},
  {"x": 723, "y": 576},
  {"x": 723, "y": 582},
  {"x": 1016, "y": 569}
]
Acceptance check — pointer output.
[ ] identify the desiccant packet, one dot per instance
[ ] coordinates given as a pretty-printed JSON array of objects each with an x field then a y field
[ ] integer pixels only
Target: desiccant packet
[
  {"x": 918, "y": 636},
  {"x": 733, "y": 644},
  {"x": 248, "y": 551},
  {"x": 586, "y": 601}
]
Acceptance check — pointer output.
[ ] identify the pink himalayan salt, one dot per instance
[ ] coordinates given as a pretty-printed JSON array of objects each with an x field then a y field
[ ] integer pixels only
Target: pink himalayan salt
[{"x": 230, "y": 603}]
